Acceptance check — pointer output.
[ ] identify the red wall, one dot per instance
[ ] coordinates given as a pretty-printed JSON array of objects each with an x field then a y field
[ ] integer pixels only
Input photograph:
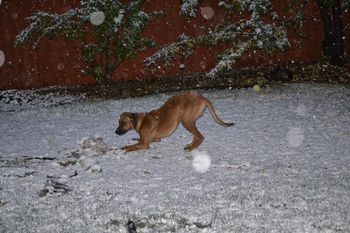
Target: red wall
[{"x": 57, "y": 62}]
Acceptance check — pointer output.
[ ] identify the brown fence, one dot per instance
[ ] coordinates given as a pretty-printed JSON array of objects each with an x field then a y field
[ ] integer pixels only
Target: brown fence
[{"x": 57, "y": 62}]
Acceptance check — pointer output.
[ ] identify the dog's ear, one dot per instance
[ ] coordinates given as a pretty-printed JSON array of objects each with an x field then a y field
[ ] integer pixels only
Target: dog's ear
[
  {"x": 132, "y": 116},
  {"x": 124, "y": 114}
]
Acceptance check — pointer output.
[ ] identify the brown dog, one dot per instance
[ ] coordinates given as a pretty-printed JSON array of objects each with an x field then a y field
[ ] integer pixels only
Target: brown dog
[{"x": 152, "y": 126}]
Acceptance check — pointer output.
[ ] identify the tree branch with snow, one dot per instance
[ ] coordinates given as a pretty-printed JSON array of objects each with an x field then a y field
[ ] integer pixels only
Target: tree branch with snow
[
  {"x": 255, "y": 32},
  {"x": 110, "y": 32}
]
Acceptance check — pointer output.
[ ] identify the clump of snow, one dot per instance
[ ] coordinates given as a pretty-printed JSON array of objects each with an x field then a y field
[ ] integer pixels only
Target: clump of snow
[
  {"x": 97, "y": 18},
  {"x": 53, "y": 186},
  {"x": 119, "y": 19},
  {"x": 2, "y": 58},
  {"x": 295, "y": 136},
  {"x": 90, "y": 164},
  {"x": 189, "y": 7},
  {"x": 89, "y": 148},
  {"x": 95, "y": 168},
  {"x": 92, "y": 146},
  {"x": 86, "y": 162},
  {"x": 201, "y": 161}
]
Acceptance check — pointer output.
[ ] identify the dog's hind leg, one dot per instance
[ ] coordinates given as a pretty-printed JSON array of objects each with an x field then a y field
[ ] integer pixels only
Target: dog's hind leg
[{"x": 197, "y": 136}]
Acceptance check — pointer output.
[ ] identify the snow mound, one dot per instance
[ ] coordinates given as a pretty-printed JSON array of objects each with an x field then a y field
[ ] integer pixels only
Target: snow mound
[
  {"x": 89, "y": 148},
  {"x": 53, "y": 186},
  {"x": 92, "y": 146},
  {"x": 89, "y": 164}
]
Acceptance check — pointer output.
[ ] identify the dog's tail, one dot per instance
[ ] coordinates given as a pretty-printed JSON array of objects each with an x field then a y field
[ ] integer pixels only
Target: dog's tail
[{"x": 214, "y": 115}]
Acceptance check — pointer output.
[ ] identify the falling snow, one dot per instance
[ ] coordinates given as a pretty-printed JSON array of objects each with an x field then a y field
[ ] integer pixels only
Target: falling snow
[
  {"x": 207, "y": 12},
  {"x": 97, "y": 18},
  {"x": 201, "y": 161}
]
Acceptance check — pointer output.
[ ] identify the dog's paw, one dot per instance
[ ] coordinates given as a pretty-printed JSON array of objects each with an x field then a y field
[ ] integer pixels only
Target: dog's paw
[
  {"x": 124, "y": 150},
  {"x": 115, "y": 150}
]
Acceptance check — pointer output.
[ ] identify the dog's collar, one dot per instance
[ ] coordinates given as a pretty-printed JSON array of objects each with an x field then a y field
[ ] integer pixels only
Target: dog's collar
[
  {"x": 134, "y": 119},
  {"x": 137, "y": 120}
]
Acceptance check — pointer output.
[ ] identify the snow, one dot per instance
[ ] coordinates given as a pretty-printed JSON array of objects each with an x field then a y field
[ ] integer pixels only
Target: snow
[
  {"x": 97, "y": 18},
  {"x": 201, "y": 161},
  {"x": 295, "y": 136},
  {"x": 283, "y": 167},
  {"x": 118, "y": 20},
  {"x": 189, "y": 7},
  {"x": 13, "y": 100},
  {"x": 301, "y": 110}
]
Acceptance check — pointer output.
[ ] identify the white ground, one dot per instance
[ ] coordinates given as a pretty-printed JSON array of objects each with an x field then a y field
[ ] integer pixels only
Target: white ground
[{"x": 284, "y": 166}]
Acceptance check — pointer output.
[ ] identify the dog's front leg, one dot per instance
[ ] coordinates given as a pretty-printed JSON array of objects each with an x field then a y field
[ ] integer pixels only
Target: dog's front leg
[
  {"x": 135, "y": 147},
  {"x": 154, "y": 139},
  {"x": 146, "y": 134},
  {"x": 143, "y": 144}
]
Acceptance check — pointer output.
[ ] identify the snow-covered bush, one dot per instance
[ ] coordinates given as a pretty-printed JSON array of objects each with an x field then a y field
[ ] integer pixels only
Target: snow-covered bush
[
  {"x": 110, "y": 32},
  {"x": 261, "y": 30}
]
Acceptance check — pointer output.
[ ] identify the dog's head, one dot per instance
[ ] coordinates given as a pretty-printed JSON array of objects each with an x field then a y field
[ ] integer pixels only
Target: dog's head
[{"x": 127, "y": 122}]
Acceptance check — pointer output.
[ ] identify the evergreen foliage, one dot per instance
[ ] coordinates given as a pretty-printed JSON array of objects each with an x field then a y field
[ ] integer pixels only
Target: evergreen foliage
[
  {"x": 263, "y": 30},
  {"x": 253, "y": 32},
  {"x": 110, "y": 32}
]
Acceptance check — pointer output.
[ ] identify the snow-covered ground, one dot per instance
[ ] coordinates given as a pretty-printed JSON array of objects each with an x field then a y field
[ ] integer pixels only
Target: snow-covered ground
[{"x": 284, "y": 166}]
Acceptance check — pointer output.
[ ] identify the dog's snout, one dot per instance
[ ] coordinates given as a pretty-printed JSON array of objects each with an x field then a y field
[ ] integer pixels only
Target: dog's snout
[{"x": 119, "y": 131}]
